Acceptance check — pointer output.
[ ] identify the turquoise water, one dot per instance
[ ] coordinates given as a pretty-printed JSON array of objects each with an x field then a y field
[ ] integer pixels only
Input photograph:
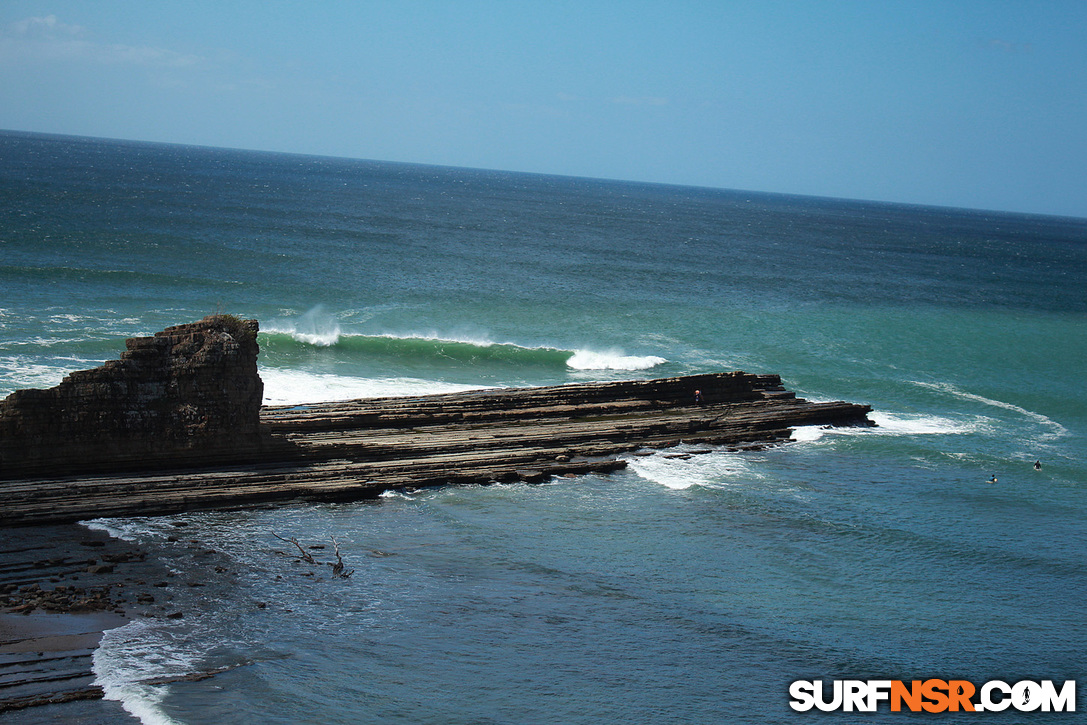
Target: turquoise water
[{"x": 677, "y": 590}]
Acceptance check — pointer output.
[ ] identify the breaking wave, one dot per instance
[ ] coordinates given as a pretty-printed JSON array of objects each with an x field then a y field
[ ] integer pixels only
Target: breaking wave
[{"x": 449, "y": 351}]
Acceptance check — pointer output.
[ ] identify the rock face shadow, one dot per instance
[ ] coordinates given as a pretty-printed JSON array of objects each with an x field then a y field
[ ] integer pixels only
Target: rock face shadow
[{"x": 189, "y": 395}]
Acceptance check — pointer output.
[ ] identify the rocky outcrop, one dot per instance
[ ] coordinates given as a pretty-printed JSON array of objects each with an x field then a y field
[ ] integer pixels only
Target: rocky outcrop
[
  {"x": 360, "y": 448},
  {"x": 176, "y": 424},
  {"x": 190, "y": 395}
]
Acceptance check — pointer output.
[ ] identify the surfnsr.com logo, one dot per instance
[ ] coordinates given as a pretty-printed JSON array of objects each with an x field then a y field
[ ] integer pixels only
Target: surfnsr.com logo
[{"x": 933, "y": 696}]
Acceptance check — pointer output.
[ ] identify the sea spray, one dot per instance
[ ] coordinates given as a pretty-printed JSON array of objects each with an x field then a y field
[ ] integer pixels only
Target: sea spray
[{"x": 314, "y": 327}]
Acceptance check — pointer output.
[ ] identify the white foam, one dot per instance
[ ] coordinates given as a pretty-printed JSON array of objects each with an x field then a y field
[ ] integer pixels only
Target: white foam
[
  {"x": 392, "y": 493},
  {"x": 323, "y": 339},
  {"x": 294, "y": 387},
  {"x": 1056, "y": 430},
  {"x": 917, "y": 424},
  {"x": 710, "y": 470},
  {"x": 893, "y": 424},
  {"x": 69, "y": 317},
  {"x": 16, "y": 373},
  {"x": 135, "y": 530},
  {"x": 120, "y": 663},
  {"x": 39, "y": 341},
  {"x": 129, "y": 657},
  {"x": 808, "y": 433},
  {"x": 322, "y": 330},
  {"x": 315, "y": 327},
  {"x": 434, "y": 336},
  {"x": 612, "y": 360}
]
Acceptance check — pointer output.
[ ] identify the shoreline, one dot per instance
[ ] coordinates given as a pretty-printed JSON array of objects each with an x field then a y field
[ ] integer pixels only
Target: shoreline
[
  {"x": 63, "y": 584},
  {"x": 61, "y": 588}
]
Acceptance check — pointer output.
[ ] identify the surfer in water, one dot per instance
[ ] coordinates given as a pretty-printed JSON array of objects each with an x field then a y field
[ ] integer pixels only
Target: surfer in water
[
  {"x": 993, "y": 479},
  {"x": 1037, "y": 465}
]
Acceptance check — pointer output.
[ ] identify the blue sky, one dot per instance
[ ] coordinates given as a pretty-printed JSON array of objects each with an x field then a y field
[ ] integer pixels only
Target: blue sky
[{"x": 970, "y": 104}]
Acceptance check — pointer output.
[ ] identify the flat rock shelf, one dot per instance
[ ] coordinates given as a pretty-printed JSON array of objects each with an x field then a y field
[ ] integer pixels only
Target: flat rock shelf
[{"x": 357, "y": 449}]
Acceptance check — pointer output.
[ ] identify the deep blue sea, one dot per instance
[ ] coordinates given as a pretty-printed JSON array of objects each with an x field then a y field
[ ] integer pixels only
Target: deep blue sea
[{"x": 676, "y": 591}]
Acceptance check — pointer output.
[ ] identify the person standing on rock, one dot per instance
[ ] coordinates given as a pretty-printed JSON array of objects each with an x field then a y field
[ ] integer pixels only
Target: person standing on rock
[{"x": 698, "y": 397}]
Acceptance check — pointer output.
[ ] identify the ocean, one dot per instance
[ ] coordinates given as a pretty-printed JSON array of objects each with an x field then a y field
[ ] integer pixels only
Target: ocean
[{"x": 676, "y": 591}]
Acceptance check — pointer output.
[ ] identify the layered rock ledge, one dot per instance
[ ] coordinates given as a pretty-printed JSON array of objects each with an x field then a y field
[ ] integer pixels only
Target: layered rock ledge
[{"x": 205, "y": 448}]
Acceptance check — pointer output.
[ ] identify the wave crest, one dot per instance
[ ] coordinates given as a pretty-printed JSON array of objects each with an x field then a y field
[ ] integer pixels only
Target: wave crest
[
  {"x": 316, "y": 327},
  {"x": 1055, "y": 429},
  {"x": 613, "y": 360},
  {"x": 451, "y": 351}
]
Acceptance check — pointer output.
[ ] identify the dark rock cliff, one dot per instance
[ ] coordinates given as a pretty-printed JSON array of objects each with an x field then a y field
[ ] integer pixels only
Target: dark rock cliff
[{"x": 188, "y": 396}]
